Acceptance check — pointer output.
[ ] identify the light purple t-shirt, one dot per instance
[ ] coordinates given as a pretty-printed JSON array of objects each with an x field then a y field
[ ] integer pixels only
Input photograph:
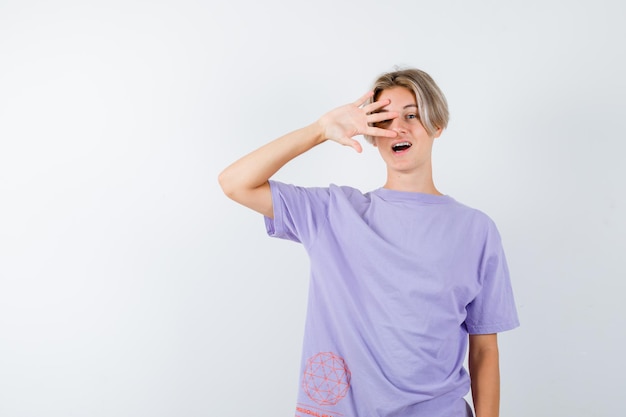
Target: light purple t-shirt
[{"x": 398, "y": 280}]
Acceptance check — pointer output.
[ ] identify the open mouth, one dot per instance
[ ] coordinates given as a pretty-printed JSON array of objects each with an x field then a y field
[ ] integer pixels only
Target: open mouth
[{"x": 401, "y": 146}]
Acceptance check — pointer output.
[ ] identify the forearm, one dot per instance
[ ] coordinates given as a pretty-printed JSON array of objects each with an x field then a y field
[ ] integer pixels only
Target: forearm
[
  {"x": 256, "y": 168},
  {"x": 246, "y": 181},
  {"x": 485, "y": 376}
]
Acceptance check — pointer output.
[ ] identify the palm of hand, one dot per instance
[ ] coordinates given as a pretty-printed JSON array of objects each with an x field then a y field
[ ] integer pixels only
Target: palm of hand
[{"x": 343, "y": 123}]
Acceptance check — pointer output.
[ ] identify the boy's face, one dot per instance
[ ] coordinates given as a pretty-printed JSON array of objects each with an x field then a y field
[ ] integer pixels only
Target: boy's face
[{"x": 412, "y": 147}]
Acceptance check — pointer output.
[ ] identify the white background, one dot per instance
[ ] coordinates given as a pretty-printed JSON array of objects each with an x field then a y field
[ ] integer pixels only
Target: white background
[{"x": 130, "y": 286}]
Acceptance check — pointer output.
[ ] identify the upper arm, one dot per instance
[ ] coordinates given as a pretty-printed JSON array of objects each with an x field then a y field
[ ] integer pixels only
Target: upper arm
[
  {"x": 258, "y": 199},
  {"x": 484, "y": 371},
  {"x": 483, "y": 352},
  {"x": 480, "y": 343}
]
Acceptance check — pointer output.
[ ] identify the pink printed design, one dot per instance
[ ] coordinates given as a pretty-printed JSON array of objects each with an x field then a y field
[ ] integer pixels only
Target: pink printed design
[{"x": 326, "y": 378}]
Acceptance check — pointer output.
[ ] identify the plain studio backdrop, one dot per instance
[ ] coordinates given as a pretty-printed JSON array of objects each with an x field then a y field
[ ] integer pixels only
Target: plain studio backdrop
[{"x": 130, "y": 286}]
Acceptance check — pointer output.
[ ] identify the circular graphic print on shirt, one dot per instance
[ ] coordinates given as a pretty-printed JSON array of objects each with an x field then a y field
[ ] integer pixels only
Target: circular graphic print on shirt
[{"x": 326, "y": 378}]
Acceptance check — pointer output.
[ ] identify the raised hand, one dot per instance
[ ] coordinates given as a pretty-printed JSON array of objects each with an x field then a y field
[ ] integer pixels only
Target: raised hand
[
  {"x": 246, "y": 180},
  {"x": 343, "y": 123}
]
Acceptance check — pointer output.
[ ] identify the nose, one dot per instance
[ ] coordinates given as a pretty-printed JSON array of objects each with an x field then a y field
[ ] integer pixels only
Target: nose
[{"x": 398, "y": 125}]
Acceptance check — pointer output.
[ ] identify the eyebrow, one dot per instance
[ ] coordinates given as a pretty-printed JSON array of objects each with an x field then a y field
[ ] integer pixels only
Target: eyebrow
[{"x": 405, "y": 107}]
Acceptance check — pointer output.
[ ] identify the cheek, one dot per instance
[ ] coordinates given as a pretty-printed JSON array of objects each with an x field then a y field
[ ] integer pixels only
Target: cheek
[
  {"x": 419, "y": 131},
  {"x": 419, "y": 127}
]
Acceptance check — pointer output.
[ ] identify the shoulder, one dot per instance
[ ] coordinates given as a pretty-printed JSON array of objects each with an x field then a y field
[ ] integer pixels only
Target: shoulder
[
  {"x": 476, "y": 214},
  {"x": 331, "y": 194},
  {"x": 479, "y": 221},
  {"x": 330, "y": 189},
  {"x": 285, "y": 188},
  {"x": 346, "y": 191}
]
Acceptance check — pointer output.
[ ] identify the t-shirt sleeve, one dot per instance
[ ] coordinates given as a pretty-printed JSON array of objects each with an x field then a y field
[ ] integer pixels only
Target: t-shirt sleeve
[
  {"x": 299, "y": 212},
  {"x": 493, "y": 310}
]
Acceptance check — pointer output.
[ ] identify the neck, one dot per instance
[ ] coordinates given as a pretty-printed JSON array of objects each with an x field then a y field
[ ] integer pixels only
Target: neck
[{"x": 421, "y": 182}]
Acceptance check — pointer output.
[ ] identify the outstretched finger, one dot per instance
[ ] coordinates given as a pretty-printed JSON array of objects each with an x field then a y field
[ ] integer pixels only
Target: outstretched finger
[
  {"x": 384, "y": 133},
  {"x": 363, "y": 99},
  {"x": 376, "y": 105},
  {"x": 381, "y": 116}
]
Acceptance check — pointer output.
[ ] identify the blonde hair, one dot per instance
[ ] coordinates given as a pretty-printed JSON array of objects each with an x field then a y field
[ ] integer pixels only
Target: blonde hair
[{"x": 431, "y": 103}]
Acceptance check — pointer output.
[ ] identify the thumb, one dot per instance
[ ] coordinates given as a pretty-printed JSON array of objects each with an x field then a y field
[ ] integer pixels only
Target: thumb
[{"x": 354, "y": 144}]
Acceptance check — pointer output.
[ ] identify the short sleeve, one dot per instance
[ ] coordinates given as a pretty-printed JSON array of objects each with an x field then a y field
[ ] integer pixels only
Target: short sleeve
[
  {"x": 299, "y": 212},
  {"x": 493, "y": 310}
]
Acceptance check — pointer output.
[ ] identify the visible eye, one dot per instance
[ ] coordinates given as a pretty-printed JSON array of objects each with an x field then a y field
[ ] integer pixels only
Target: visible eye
[
  {"x": 412, "y": 116},
  {"x": 383, "y": 123}
]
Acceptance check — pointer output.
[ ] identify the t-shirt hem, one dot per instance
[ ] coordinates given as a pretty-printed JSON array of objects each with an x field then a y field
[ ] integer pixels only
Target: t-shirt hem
[
  {"x": 274, "y": 227},
  {"x": 492, "y": 328}
]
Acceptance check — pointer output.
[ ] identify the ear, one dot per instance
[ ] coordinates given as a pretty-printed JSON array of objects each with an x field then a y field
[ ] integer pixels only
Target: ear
[{"x": 437, "y": 132}]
